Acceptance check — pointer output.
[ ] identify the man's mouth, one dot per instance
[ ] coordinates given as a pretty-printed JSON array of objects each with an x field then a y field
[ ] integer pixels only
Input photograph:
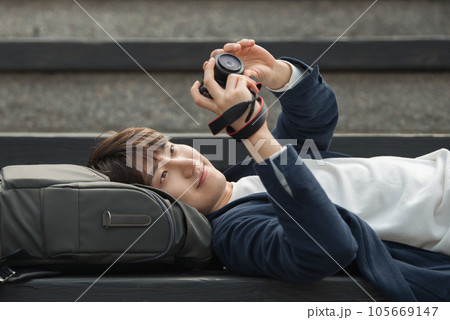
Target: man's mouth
[{"x": 203, "y": 176}]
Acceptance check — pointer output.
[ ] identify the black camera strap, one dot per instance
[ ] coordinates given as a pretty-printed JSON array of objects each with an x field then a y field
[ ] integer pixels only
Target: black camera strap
[
  {"x": 252, "y": 125},
  {"x": 232, "y": 114}
]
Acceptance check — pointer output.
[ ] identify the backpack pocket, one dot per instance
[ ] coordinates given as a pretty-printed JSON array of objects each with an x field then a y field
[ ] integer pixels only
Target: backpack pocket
[
  {"x": 21, "y": 222},
  {"x": 105, "y": 220}
]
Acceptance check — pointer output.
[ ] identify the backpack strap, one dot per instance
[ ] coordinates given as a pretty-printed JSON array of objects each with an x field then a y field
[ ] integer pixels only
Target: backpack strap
[
  {"x": 9, "y": 275},
  {"x": 5, "y": 274}
]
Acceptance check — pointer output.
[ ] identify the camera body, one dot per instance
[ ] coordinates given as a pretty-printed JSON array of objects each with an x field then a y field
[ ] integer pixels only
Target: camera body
[{"x": 226, "y": 64}]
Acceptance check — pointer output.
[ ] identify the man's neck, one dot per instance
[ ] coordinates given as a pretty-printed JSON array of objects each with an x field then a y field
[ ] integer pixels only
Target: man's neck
[{"x": 225, "y": 198}]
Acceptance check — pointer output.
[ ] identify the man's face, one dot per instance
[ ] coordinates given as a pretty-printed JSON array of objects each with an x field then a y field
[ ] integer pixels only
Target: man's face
[{"x": 189, "y": 177}]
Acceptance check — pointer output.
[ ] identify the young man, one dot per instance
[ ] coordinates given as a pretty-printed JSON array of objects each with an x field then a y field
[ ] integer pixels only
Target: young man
[{"x": 290, "y": 218}]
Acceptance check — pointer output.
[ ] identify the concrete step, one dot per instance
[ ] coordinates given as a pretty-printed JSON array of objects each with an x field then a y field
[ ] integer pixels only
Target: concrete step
[
  {"x": 75, "y": 148},
  {"x": 96, "y": 102},
  {"x": 57, "y": 99},
  {"x": 421, "y": 54},
  {"x": 221, "y": 18}
]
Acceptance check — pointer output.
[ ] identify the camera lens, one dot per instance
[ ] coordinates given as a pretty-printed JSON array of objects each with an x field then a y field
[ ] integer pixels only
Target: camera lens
[
  {"x": 226, "y": 64},
  {"x": 230, "y": 63}
]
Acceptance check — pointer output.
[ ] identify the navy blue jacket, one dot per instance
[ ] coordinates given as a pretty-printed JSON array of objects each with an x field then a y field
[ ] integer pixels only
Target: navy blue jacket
[{"x": 295, "y": 233}]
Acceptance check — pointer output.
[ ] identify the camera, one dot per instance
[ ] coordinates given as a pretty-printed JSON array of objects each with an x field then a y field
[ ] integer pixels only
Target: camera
[{"x": 226, "y": 64}]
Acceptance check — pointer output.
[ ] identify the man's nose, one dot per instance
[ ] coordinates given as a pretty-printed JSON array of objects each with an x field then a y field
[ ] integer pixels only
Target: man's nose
[{"x": 185, "y": 165}]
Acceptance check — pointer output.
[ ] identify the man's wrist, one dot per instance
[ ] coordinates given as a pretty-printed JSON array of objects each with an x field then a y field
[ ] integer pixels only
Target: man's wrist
[
  {"x": 282, "y": 72},
  {"x": 297, "y": 75},
  {"x": 262, "y": 144}
]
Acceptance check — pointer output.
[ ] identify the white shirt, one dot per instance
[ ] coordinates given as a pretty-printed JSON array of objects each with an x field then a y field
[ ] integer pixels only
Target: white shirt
[{"x": 404, "y": 200}]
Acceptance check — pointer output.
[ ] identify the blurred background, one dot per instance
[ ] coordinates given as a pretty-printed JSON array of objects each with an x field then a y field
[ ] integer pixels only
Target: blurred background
[{"x": 60, "y": 72}]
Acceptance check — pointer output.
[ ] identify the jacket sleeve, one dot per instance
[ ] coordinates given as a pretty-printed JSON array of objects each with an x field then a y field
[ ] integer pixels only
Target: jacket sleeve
[
  {"x": 309, "y": 110},
  {"x": 303, "y": 238}
]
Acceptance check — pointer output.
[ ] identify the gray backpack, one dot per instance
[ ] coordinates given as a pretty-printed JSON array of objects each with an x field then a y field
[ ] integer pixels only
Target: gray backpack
[{"x": 59, "y": 214}]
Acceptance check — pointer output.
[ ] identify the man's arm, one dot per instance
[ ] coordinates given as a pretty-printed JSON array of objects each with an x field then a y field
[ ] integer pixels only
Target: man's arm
[
  {"x": 309, "y": 110},
  {"x": 299, "y": 237}
]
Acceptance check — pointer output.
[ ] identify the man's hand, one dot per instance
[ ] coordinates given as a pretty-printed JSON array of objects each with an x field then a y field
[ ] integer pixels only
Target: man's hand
[
  {"x": 236, "y": 90},
  {"x": 259, "y": 63}
]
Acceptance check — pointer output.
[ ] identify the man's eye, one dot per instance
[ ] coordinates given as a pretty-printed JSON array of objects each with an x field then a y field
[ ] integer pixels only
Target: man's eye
[
  {"x": 172, "y": 149},
  {"x": 163, "y": 176}
]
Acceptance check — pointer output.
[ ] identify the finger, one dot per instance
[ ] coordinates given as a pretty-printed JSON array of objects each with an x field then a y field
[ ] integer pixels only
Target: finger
[
  {"x": 250, "y": 73},
  {"x": 246, "y": 43},
  {"x": 239, "y": 80},
  {"x": 232, "y": 81},
  {"x": 231, "y": 47},
  {"x": 216, "y": 52},
  {"x": 200, "y": 100},
  {"x": 243, "y": 85},
  {"x": 208, "y": 80},
  {"x": 251, "y": 84}
]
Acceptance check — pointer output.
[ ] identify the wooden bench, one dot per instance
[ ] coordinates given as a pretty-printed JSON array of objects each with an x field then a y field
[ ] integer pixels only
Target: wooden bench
[{"x": 139, "y": 284}]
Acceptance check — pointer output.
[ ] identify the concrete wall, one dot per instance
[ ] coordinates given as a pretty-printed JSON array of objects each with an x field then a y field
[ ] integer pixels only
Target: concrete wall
[
  {"x": 95, "y": 102},
  {"x": 227, "y": 19}
]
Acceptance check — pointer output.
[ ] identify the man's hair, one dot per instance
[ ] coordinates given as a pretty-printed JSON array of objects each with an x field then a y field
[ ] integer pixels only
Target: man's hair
[{"x": 124, "y": 156}]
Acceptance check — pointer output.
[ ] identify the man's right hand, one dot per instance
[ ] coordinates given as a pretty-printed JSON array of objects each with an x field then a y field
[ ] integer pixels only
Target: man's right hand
[{"x": 237, "y": 90}]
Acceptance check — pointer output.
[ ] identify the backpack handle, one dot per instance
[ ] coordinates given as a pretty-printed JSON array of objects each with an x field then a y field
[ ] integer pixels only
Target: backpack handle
[{"x": 111, "y": 220}]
